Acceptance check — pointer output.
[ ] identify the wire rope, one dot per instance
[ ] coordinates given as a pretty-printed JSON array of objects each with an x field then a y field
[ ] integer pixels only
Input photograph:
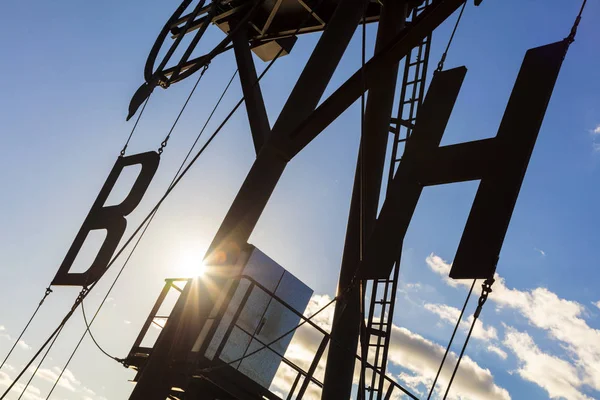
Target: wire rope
[
  {"x": 445, "y": 54},
  {"x": 486, "y": 289},
  {"x": 39, "y": 365},
  {"x": 451, "y": 339},
  {"x": 362, "y": 330},
  {"x": 135, "y": 125},
  {"x": 166, "y": 139},
  {"x": 46, "y": 294}
]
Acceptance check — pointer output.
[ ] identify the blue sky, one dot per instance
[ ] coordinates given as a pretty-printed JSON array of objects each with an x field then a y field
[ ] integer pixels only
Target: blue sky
[{"x": 70, "y": 70}]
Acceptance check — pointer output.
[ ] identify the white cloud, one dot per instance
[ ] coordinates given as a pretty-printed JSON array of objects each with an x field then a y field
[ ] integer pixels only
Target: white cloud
[
  {"x": 422, "y": 358},
  {"x": 21, "y": 343},
  {"x": 413, "y": 286},
  {"x": 32, "y": 392},
  {"x": 67, "y": 380},
  {"x": 441, "y": 267},
  {"x": 497, "y": 351},
  {"x": 3, "y": 333},
  {"x": 558, "y": 377},
  {"x": 450, "y": 314},
  {"x": 596, "y": 130},
  {"x": 88, "y": 391},
  {"x": 597, "y": 304},
  {"x": 418, "y": 384},
  {"x": 562, "y": 319},
  {"x": 542, "y": 252},
  {"x": 445, "y": 312},
  {"x": 481, "y": 332}
]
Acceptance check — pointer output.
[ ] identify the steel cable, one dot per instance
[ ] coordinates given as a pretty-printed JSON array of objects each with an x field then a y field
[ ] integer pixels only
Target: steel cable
[
  {"x": 443, "y": 59},
  {"x": 451, "y": 340},
  {"x": 46, "y": 294}
]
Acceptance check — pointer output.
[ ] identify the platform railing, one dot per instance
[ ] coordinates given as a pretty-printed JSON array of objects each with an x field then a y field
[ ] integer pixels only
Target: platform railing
[{"x": 303, "y": 379}]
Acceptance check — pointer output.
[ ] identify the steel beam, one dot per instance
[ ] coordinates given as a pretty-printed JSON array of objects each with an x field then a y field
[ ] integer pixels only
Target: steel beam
[
  {"x": 273, "y": 158},
  {"x": 352, "y": 89},
  {"x": 363, "y": 208},
  {"x": 255, "y": 105}
]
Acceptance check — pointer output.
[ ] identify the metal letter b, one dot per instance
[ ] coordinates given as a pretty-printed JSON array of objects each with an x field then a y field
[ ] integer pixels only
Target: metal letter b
[{"x": 111, "y": 218}]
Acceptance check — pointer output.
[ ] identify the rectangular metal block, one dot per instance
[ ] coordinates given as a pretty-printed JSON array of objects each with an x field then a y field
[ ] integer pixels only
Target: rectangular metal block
[{"x": 254, "y": 318}]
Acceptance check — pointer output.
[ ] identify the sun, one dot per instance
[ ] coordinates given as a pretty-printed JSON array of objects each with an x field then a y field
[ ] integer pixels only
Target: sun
[{"x": 190, "y": 264}]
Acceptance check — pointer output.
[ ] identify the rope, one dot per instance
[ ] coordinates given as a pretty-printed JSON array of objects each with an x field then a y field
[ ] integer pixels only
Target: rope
[
  {"x": 58, "y": 329},
  {"x": 166, "y": 140},
  {"x": 205, "y": 125},
  {"x": 39, "y": 365},
  {"x": 486, "y": 289},
  {"x": 46, "y": 294},
  {"x": 87, "y": 330},
  {"x": 451, "y": 339},
  {"x": 135, "y": 126},
  {"x": 571, "y": 37},
  {"x": 443, "y": 59},
  {"x": 362, "y": 330}
]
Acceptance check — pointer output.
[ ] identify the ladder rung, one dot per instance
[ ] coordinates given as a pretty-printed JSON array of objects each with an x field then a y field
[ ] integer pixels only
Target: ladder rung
[
  {"x": 416, "y": 63},
  {"x": 377, "y": 332}
]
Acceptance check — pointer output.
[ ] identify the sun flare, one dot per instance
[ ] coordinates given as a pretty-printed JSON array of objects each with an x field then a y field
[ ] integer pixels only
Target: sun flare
[{"x": 190, "y": 264}]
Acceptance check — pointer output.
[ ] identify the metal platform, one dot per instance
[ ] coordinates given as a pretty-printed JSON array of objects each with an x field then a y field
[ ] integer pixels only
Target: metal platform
[{"x": 223, "y": 379}]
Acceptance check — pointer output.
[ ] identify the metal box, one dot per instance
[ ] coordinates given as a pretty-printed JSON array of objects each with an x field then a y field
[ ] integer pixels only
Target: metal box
[{"x": 254, "y": 318}]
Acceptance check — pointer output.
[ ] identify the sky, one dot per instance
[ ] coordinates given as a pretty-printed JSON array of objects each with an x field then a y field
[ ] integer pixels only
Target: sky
[{"x": 70, "y": 70}]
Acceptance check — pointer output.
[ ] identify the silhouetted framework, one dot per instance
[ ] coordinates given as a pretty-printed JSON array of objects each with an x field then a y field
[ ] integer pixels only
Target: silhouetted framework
[{"x": 174, "y": 367}]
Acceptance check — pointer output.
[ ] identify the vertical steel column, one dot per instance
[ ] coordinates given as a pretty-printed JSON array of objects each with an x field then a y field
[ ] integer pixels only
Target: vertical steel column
[
  {"x": 255, "y": 105},
  {"x": 345, "y": 330},
  {"x": 168, "y": 359}
]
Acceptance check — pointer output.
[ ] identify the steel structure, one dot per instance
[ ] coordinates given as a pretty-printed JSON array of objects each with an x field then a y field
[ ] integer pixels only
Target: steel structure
[
  {"x": 178, "y": 364},
  {"x": 278, "y": 145},
  {"x": 191, "y": 358},
  {"x": 373, "y": 245}
]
